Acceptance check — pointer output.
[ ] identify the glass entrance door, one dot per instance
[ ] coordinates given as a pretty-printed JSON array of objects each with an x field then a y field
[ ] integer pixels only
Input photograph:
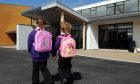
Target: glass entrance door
[{"x": 112, "y": 38}]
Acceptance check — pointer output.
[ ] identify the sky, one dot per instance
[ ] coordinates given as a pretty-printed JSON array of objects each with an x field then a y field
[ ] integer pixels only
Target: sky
[{"x": 36, "y": 3}]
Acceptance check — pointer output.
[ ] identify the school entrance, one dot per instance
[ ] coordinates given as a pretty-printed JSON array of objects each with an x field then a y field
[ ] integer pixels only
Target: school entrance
[{"x": 115, "y": 36}]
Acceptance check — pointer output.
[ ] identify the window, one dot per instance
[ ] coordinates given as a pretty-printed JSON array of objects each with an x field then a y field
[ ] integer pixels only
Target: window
[
  {"x": 131, "y": 6},
  {"x": 103, "y": 27},
  {"x": 86, "y": 12},
  {"x": 111, "y": 27},
  {"x": 120, "y": 8},
  {"x": 93, "y": 12},
  {"x": 101, "y": 11},
  {"x": 77, "y": 33},
  {"x": 110, "y": 9}
]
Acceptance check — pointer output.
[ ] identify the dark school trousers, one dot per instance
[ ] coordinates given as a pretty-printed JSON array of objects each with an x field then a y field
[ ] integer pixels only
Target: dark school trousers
[
  {"x": 64, "y": 68},
  {"x": 37, "y": 66}
]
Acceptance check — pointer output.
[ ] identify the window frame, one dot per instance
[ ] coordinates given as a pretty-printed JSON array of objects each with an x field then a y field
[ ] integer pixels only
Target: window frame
[
  {"x": 95, "y": 9},
  {"x": 108, "y": 6}
]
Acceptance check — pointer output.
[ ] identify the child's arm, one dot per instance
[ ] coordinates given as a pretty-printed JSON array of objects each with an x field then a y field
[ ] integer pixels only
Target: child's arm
[
  {"x": 57, "y": 43},
  {"x": 53, "y": 51},
  {"x": 30, "y": 42},
  {"x": 55, "y": 46}
]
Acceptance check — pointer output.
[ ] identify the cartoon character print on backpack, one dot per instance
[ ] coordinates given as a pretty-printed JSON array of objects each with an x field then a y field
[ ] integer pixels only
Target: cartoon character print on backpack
[
  {"x": 70, "y": 49},
  {"x": 43, "y": 41},
  {"x": 67, "y": 47}
]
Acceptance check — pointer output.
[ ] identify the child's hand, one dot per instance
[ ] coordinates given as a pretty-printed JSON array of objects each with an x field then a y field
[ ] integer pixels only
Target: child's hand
[{"x": 54, "y": 57}]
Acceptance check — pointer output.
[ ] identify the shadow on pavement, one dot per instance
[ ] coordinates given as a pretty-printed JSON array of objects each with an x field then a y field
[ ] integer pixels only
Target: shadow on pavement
[{"x": 76, "y": 76}]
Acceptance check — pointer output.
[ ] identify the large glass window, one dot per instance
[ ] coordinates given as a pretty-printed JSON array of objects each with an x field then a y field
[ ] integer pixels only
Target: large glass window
[
  {"x": 101, "y": 11},
  {"x": 131, "y": 6},
  {"x": 77, "y": 33},
  {"x": 115, "y": 36},
  {"x": 110, "y": 9},
  {"x": 120, "y": 8},
  {"x": 93, "y": 12}
]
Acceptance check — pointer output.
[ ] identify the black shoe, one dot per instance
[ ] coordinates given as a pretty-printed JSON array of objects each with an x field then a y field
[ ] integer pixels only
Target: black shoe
[
  {"x": 35, "y": 83},
  {"x": 64, "y": 81},
  {"x": 43, "y": 82},
  {"x": 70, "y": 81}
]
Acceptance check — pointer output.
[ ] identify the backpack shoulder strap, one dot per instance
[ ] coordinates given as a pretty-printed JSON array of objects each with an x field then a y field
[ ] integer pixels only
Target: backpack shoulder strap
[
  {"x": 69, "y": 35},
  {"x": 48, "y": 32},
  {"x": 35, "y": 31},
  {"x": 60, "y": 36}
]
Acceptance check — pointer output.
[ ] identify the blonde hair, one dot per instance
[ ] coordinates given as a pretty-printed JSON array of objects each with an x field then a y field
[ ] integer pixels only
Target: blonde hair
[{"x": 65, "y": 27}]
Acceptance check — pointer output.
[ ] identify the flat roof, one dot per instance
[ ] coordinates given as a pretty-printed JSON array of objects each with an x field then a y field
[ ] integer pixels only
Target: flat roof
[{"x": 52, "y": 12}]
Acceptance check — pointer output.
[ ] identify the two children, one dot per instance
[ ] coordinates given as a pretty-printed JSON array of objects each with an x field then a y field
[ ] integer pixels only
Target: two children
[{"x": 40, "y": 58}]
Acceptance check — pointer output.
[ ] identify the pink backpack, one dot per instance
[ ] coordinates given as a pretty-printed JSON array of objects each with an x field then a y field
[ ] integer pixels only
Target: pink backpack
[
  {"x": 43, "y": 41},
  {"x": 67, "y": 46}
]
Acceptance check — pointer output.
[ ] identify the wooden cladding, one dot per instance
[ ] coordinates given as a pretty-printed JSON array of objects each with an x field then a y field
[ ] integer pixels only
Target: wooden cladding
[{"x": 10, "y": 16}]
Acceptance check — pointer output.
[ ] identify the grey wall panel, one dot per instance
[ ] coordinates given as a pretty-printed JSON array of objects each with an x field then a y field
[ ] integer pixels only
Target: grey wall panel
[{"x": 22, "y": 36}]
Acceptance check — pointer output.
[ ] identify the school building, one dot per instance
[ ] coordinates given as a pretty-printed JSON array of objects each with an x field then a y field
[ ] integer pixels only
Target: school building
[
  {"x": 110, "y": 24},
  {"x": 10, "y": 16}
]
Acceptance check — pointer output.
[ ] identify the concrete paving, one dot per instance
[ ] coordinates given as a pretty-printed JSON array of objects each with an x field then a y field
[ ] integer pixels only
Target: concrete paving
[
  {"x": 120, "y": 55},
  {"x": 111, "y": 54},
  {"x": 16, "y": 67}
]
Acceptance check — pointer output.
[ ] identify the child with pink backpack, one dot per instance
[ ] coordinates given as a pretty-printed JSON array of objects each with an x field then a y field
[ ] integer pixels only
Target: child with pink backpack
[
  {"x": 39, "y": 46},
  {"x": 66, "y": 47}
]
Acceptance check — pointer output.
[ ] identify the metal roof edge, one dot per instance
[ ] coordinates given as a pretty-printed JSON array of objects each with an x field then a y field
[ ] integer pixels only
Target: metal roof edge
[
  {"x": 135, "y": 14},
  {"x": 37, "y": 7}
]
